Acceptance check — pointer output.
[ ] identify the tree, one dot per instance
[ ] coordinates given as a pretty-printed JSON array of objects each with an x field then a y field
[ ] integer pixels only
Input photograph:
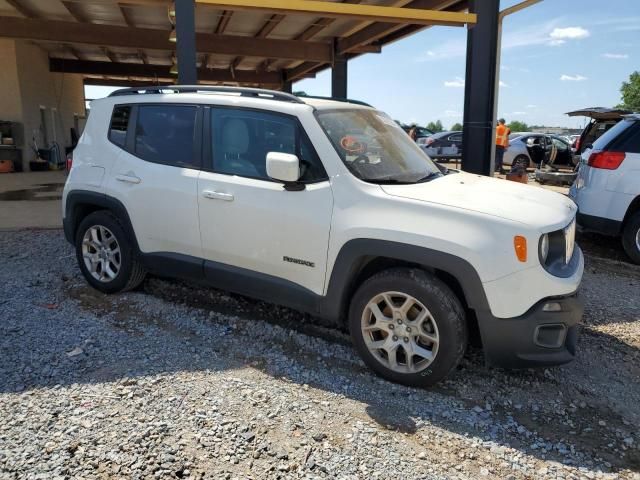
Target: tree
[
  {"x": 456, "y": 126},
  {"x": 517, "y": 126},
  {"x": 631, "y": 93},
  {"x": 435, "y": 127}
]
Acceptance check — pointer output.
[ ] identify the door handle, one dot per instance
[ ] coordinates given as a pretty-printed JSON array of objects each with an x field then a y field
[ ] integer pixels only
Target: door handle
[
  {"x": 213, "y": 195},
  {"x": 128, "y": 179}
]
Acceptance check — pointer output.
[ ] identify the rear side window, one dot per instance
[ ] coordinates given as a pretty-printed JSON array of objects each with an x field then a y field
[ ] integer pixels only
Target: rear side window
[
  {"x": 119, "y": 125},
  {"x": 166, "y": 134},
  {"x": 628, "y": 140},
  {"x": 612, "y": 139}
]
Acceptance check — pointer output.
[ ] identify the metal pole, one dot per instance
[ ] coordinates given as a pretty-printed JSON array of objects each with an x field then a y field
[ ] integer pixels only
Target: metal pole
[
  {"x": 338, "y": 75},
  {"x": 186, "y": 42},
  {"x": 480, "y": 97}
]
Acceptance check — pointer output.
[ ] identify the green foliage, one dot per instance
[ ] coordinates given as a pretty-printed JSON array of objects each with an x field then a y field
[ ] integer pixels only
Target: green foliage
[
  {"x": 631, "y": 93},
  {"x": 456, "y": 126},
  {"x": 435, "y": 127},
  {"x": 517, "y": 126}
]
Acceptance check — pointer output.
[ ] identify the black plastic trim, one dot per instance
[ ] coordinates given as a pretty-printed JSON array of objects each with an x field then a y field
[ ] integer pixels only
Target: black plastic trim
[
  {"x": 77, "y": 199},
  {"x": 356, "y": 254},
  {"x": 602, "y": 225},
  {"x": 261, "y": 286},
  {"x": 511, "y": 342}
]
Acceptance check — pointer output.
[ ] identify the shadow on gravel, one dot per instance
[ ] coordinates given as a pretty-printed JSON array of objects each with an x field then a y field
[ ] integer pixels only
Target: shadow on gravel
[{"x": 559, "y": 414}]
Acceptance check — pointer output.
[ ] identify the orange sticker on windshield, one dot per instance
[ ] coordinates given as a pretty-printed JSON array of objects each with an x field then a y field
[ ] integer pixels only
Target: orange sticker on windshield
[{"x": 352, "y": 145}]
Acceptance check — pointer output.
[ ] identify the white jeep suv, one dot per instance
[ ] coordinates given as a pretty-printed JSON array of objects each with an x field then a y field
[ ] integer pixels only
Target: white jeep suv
[
  {"x": 327, "y": 207},
  {"x": 607, "y": 189}
]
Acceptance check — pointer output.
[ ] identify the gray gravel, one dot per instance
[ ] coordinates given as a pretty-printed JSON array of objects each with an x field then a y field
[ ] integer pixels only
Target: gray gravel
[{"x": 178, "y": 381}]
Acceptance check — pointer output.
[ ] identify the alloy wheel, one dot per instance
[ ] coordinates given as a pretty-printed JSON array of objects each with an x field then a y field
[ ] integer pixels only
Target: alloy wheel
[
  {"x": 400, "y": 332},
  {"x": 101, "y": 253}
]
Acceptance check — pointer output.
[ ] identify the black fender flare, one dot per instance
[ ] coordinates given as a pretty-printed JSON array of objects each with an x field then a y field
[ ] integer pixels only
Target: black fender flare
[
  {"x": 77, "y": 200},
  {"x": 356, "y": 254}
]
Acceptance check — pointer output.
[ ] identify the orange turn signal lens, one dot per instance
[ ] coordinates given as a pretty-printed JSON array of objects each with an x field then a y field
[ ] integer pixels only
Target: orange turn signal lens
[{"x": 520, "y": 246}]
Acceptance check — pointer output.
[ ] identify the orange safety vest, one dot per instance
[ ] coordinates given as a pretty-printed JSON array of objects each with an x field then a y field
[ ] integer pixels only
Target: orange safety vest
[{"x": 502, "y": 135}]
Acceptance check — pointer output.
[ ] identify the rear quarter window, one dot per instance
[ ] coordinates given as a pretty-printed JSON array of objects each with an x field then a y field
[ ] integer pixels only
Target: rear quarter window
[
  {"x": 616, "y": 137},
  {"x": 119, "y": 125}
]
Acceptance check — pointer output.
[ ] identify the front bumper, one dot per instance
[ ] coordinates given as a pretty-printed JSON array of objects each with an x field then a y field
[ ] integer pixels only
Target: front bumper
[{"x": 539, "y": 338}]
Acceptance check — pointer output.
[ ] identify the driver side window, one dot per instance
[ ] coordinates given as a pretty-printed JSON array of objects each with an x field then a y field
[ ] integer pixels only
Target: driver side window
[{"x": 241, "y": 140}]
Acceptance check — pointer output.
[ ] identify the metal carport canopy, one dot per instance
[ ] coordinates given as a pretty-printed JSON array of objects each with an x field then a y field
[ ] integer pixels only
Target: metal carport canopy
[{"x": 267, "y": 43}]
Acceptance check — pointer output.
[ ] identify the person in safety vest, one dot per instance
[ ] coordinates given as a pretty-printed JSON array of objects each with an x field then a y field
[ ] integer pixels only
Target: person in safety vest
[{"x": 502, "y": 143}]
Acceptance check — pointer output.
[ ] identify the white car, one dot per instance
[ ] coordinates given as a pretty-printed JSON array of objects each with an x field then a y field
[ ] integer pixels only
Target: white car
[
  {"x": 607, "y": 189},
  {"x": 330, "y": 208}
]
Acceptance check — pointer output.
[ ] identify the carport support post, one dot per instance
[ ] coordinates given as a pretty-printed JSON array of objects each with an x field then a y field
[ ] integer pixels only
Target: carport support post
[
  {"x": 339, "y": 75},
  {"x": 186, "y": 42},
  {"x": 478, "y": 135}
]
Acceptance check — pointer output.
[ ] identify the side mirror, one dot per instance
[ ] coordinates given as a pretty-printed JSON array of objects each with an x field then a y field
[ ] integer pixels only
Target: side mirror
[{"x": 283, "y": 167}]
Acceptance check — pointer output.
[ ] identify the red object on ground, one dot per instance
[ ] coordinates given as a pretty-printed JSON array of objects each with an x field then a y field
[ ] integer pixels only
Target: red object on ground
[{"x": 6, "y": 166}]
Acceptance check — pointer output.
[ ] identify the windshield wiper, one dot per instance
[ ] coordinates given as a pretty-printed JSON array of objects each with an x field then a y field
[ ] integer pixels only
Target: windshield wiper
[{"x": 428, "y": 177}]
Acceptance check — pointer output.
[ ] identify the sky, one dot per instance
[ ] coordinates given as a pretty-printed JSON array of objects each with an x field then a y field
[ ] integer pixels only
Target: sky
[{"x": 557, "y": 56}]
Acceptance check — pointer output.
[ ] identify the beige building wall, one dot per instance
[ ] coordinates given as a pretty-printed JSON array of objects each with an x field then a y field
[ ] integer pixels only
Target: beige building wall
[{"x": 34, "y": 89}]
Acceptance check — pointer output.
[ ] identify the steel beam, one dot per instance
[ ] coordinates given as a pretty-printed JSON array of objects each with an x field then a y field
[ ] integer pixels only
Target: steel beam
[
  {"x": 479, "y": 96},
  {"x": 155, "y": 72},
  {"x": 117, "y": 36},
  {"x": 186, "y": 42},
  {"x": 339, "y": 76},
  {"x": 348, "y": 11}
]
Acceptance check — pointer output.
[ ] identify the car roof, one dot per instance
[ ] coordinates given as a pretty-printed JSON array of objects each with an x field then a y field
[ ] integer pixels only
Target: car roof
[{"x": 600, "y": 113}]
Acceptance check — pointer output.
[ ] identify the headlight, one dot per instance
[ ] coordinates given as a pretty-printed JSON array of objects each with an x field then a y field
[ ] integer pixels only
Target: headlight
[
  {"x": 556, "y": 250},
  {"x": 569, "y": 241},
  {"x": 544, "y": 248}
]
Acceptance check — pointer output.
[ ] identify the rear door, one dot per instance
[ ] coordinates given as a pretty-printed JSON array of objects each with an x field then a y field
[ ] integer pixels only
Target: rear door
[
  {"x": 156, "y": 176},
  {"x": 250, "y": 224}
]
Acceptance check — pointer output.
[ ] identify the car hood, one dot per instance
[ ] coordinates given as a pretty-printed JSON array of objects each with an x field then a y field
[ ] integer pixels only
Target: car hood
[{"x": 536, "y": 207}]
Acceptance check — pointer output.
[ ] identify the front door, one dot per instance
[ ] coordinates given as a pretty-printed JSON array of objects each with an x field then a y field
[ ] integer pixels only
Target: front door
[{"x": 248, "y": 221}]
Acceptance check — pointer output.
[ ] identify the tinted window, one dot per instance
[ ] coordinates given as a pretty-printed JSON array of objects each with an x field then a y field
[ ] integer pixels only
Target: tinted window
[
  {"x": 456, "y": 137},
  {"x": 242, "y": 138},
  {"x": 119, "y": 125},
  {"x": 628, "y": 140},
  {"x": 611, "y": 135},
  {"x": 166, "y": 134}
]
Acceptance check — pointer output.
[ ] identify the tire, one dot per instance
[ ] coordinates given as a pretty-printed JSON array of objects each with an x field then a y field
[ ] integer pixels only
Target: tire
[
  {"x": 521, "y": 160},
  {"x": 631, "y": 237},
  {"x": 436, "y": 313},
  {"x": 102, "y": 229}
]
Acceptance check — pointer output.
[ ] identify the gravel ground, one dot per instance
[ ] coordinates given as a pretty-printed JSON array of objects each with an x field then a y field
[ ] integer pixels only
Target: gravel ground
[{"x": 178, "y": 381}]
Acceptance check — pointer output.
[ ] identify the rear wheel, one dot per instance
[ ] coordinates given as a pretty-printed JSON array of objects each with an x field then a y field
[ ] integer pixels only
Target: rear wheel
[
  {"x": 521, "y": 161},
  {"x": 408, "y": 326},
  {"x": 631, "y": 237},
  {"x": 105, "y": 254}
]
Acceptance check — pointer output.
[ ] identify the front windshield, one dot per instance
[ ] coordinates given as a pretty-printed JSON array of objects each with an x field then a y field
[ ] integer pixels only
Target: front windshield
[{"x": 374, "y": 148}]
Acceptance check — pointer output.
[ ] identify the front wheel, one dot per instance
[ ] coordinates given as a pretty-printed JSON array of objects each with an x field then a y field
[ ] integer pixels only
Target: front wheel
[
  {"x": 408, "y": 326},
  {"x": 631, "y": 237},
  {"x": 105, "y": 254},
  {"x": 521, "y": 161}
]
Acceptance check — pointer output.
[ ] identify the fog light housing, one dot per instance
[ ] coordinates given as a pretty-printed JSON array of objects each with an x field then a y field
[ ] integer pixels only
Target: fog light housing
[
  {"x": 551, "y": 335},
  {"x": 552, "y": 307}
]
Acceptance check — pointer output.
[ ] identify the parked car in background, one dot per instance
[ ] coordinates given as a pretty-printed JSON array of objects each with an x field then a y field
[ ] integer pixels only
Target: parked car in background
[
  {"x": 602, "y": 119},
  {"x": 607, "y": 189},
  {"x": 530, "y": 149},
  {"x": 421, "y": 132},
  {"x": 442, "y": 145}
]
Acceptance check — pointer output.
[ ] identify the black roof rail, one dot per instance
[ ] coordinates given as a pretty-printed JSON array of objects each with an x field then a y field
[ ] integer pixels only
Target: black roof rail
[
  {"x": 241, "y": 91},
  {"x": 345, "y": 100}
]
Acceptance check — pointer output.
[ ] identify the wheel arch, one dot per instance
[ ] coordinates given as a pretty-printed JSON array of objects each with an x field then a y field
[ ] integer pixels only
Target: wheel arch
[
  {"x": 80, "y": 203},
  {"x": 634, "y": 207},
  {"x": 361, "y": 258}
]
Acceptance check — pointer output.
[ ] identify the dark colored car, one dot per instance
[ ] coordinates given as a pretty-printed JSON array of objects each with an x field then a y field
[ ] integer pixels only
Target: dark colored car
[
  {"x": 602, "y": 119},
  {"x": 421, "y": 132},
  {"x": 442, "y": 145}
]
